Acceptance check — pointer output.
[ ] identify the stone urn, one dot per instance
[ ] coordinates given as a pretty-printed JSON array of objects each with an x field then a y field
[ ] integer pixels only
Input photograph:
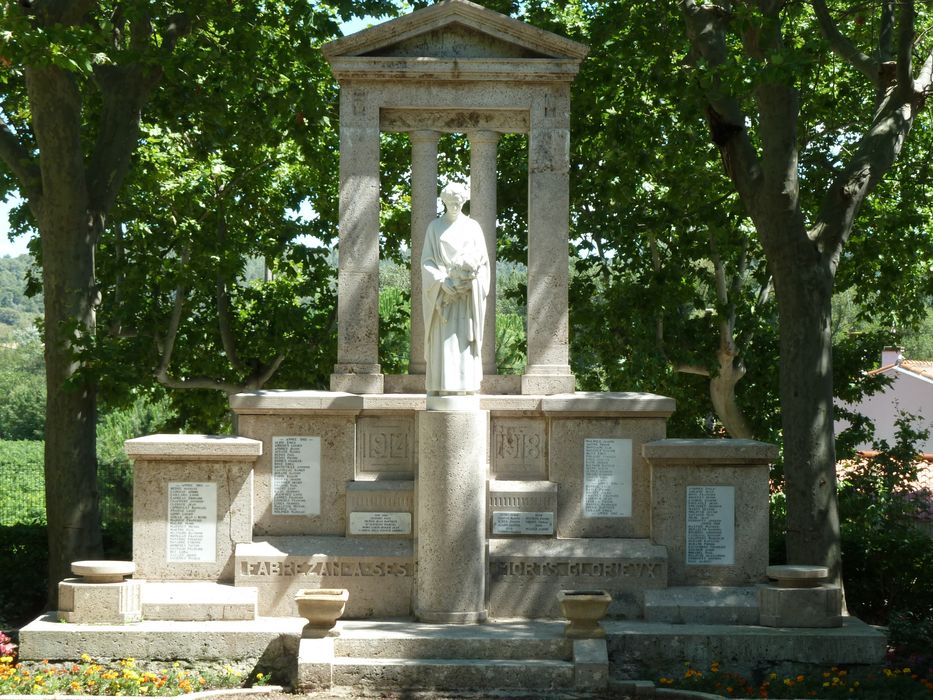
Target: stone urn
[
  {"x": 321, "y": 607},
  {"x": 584, "y": 609}
]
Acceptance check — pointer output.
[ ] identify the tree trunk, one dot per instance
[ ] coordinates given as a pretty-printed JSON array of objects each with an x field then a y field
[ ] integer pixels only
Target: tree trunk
[
  {"x": 803, "y": 284},
  {"x": 722, "y": 394},
  {"x": 70, "y": 295}
]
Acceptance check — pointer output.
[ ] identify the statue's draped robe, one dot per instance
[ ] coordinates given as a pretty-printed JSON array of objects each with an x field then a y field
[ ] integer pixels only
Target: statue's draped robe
[{"x": 453, "y": 324}]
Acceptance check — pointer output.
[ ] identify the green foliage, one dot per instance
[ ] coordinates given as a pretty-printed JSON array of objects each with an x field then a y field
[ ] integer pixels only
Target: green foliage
[
  {"x": 22, "y": 490},
  {"x": 22, "y": 386},
  {"x": 394, "y": 329},
  {"x": 23, "y": 560},
  {"x": 887, "y": 560},
  {"x": 18, "y": 310}
]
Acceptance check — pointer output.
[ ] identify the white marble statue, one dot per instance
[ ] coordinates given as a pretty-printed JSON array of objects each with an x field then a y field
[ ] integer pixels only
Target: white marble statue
[{"x": 455, "y": 282}]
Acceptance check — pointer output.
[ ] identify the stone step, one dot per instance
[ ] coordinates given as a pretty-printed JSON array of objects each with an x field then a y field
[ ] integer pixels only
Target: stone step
[
  {"x": 503, "y": 641},
  {"x": 197, "y": 601},
  {"x": 703, "y": 605},
  {"x": 448, "y": 674}
]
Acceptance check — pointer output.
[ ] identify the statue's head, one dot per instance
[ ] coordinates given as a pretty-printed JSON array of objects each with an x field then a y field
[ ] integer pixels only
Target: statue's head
[{"x": 455, "y": 193}]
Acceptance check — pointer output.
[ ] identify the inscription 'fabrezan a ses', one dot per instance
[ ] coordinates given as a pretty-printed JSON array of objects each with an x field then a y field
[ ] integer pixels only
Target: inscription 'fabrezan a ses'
[
  {"x": 333, "y": 567},
  {"x": 576, "y": 568}
]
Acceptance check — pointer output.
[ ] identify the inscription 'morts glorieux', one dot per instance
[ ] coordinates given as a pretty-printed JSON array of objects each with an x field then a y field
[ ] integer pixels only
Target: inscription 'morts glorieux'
[
  {"x": 576, "y": 568},
  {"x": 322, "y": 567}
]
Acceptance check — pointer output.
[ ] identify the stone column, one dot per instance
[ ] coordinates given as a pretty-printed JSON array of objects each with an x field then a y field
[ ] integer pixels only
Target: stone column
[
  {"x": 548, "y": 367},
  {"x": 357, "y": 369},
  {"x": 483, "y": 209},
  {"x": 423, "y": 212},
  {"x": 450, "y": 584}
]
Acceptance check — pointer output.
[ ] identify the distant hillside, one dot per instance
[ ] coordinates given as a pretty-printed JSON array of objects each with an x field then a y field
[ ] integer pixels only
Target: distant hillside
[{"x": 17, "y": 311}]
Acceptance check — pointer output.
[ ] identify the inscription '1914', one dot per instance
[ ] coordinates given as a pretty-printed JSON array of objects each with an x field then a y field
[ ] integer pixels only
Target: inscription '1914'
[{"x": 611, "y": 569}]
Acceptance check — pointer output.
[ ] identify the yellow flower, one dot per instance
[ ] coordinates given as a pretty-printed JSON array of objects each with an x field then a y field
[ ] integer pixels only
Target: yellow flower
[{"x": 85, "y": 658}]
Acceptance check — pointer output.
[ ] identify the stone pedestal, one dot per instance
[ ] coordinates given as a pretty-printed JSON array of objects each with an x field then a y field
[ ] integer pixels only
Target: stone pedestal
[
  {"x": 84, "y": 602},
  {"x": 450, "y": 584}
]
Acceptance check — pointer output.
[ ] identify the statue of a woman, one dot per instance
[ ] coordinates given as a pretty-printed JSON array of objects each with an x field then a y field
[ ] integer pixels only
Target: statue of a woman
[{"x": 455, "y": 282}]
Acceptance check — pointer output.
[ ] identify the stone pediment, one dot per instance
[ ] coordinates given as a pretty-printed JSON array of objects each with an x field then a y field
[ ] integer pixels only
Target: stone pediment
[{"x": 454, "y": 30}]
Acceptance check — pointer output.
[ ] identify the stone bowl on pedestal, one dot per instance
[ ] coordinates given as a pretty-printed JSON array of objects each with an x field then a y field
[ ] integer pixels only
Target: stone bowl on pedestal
[
  {"x": 584, "y": 609},
  {"x": 321, "y": 607}
]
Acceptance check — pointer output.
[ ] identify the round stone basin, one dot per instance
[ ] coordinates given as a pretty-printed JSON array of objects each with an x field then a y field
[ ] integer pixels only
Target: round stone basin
[
  {"x": 321, "y": 607},
  {"x": 584, "y": 609},
  {"x": 102, "y": 571}
]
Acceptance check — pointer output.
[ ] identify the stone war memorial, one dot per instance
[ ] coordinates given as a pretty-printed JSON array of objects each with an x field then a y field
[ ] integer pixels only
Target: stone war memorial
[{"x": 438, "y": 529}]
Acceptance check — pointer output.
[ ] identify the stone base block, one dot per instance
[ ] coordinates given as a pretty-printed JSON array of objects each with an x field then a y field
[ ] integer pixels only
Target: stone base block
[
  {"x": 590, "y": 663},
  {"x": 814, "y": 606},
  {"x": 703, "y": 605},
  {"x": 378, "y": 573},
  {"x": 315, "y": 664},
  {"x": 547, "y": 384},
  {"x": 522, "y": 508},
  {"x": 352, "y": 383},
  {"x": 197, "y": 600},
  {"x": 100, "y": 603},
  {"x": 526, "y": 575},
  {"x": 662, "y": 647},
  {"x": 47, "y": 638}
]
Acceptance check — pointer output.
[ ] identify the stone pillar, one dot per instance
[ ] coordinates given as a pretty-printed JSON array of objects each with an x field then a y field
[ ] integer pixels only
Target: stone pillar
[
  {"x": 450, "y": 584},
  {"x": 548, "y": 367},
  {"x": 423, "y": 212},
  {"x": 483, "y": 209},
  {"x": 357, "y": 369}
]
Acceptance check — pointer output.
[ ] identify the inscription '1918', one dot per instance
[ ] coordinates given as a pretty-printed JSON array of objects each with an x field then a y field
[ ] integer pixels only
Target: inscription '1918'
[
  {"x": 313, "y": 567},
  {"x": 576, "y": 568}
]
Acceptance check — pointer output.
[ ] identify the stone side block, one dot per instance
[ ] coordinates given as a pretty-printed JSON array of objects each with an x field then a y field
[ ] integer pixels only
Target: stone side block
[
  {"x": 741, "y": 465},
  {"x": 818, "y": 606},
  {"x": 233, "y": 483},
  {"x": 518, "y": 448},
  {"x": 703, "y": 605},
  {"x": 526, "y": 575},
  {"x": 315, "y": 664},
  {"x": 566, "y": 445},
  {"x": 377, "y": 572},
  {"x": 381, "y": 497},
  {"x": 590, "y": 663},
  {"x": 337, "y": 458},
  {"x": 99, "y": 603},
  {"x": 200, "y": 447},
  {"x": 197, "y": 600},
  {"x": 386, "y": 447},
  {"x": 517, "y": 508}
]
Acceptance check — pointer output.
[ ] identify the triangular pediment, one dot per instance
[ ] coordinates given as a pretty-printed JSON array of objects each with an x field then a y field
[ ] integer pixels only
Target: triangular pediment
[{"x": 456, "y": 29}]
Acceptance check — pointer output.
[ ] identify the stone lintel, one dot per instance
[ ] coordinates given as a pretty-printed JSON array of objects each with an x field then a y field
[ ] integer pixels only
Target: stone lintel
[
  {"x": 199, "y": 447},
  {"x": 423, "y": 69},
  {"x": 672, "y": 452},
  {"x": 454, "y": 120}
]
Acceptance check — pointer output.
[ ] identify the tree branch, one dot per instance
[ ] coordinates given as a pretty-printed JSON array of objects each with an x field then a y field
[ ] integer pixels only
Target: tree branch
[
  {"x": 905, "y": 49},
  {"x": 706, "y": 30},
  {"x": 20, "y": 162},
  {"x": 690, "y": 369},
  {"x": 886, "y": 33},
  {"x": 258, "y": 382},
  {"x": 841, "y": 45}
]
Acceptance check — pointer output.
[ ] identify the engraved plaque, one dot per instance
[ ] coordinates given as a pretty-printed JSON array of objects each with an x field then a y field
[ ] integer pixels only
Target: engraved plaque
[
  {"x": 711, "y": 525},
  {"x": 296, "y": 475},
  {"x": 386, "y": 446},
  {"x": 192, "y": 522},
  {"x": 518, "y": 448},
  {"x": 607, "y": 478},
  {"x": 380, "y": 523},
  {"x": 522, "y": 523}
]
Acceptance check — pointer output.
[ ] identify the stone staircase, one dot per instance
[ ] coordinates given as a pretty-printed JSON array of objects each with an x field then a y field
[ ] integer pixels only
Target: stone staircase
[{"x": 401, "y": 654}]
